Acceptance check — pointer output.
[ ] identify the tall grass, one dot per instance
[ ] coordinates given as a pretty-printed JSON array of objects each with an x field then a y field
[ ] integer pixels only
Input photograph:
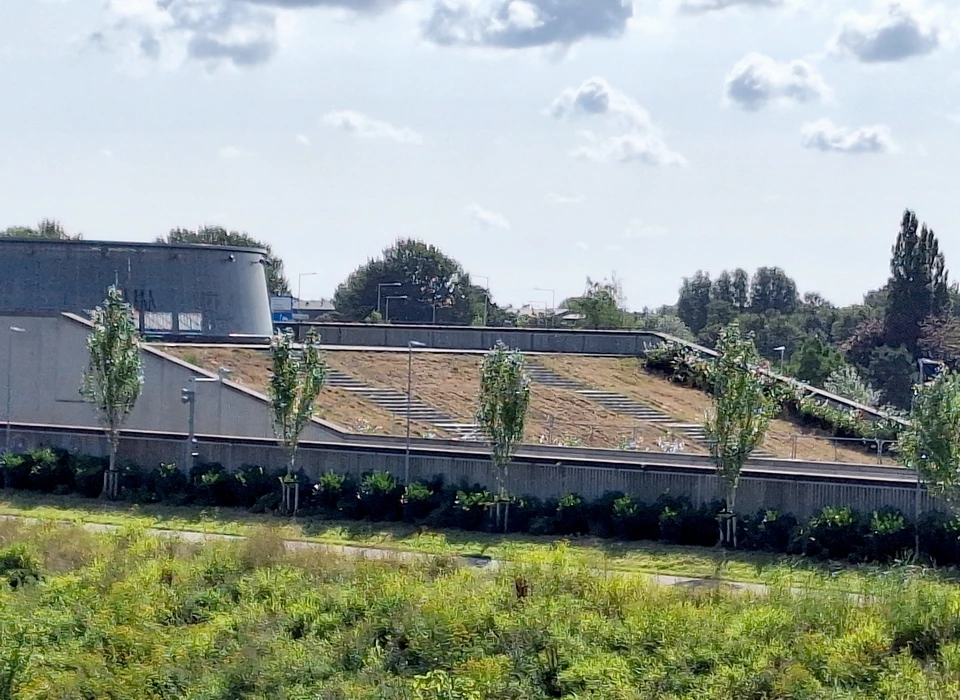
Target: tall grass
[{"x": 130, "y": 616}]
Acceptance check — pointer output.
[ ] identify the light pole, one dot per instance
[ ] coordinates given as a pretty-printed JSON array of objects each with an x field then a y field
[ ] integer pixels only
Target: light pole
[
  {"x": 13, "y": 331},
  {"x": 300, "y": 285},
  {"x": 486, "y": 296},
  {"x": 781, "y": 349},
  {"x": 189, "y": 397},
  {"x": 396, "y": 296},
  {"x": 406, "y": 454},
  {"x": 380, "y": 287},
  {"x": 553, "y": 301}
]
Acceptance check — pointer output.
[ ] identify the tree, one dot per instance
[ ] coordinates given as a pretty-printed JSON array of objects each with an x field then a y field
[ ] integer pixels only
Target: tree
[
  {"x": 47, "y": 228},
  {"x": 740, "y": 285},
  {"x": 930, "y": 443},
  {"x": 814, "y": 361},
  {"x": 277, "y": 284},
  {"x": 601, "y": 305},
  {"x": 845, "y": 381},
  {"x": 431, "y": 284},
  {"x": 745, "y": 400},
  {"x": 940, "y": 339},
  {"x": 502, "y": 412},
  {"x": 894, "y": 371},
  {"x": 918, "y": 283},
  {"x": 113, "y": 380},
  {"x": 662, "y": 323},
  {"x": 296, "y": 379},
  {"x": 694, "y": 300},
  {"x": 772, "y": 290}
]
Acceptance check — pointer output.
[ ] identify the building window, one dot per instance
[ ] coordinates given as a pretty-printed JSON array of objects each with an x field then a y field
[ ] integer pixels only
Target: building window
[
  {"x": 157, "y": 321},
  {"x": 190, "y": 323}
]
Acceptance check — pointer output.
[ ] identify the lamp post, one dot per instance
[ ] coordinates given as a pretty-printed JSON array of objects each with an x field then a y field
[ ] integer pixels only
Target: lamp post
[
  {"x": 406, "y": 453},
  {"x": 486, "y": 296},
  {"x": 13, "y": 331},
  {"x": 386, "y": 316},
  {"x": 380, "y": 287},
  {"x": 189, "y": 397},
  {"x": 781, "y": 349},
  {"x": 300, "y": 285},
  {"x": 553, "y": 301}
]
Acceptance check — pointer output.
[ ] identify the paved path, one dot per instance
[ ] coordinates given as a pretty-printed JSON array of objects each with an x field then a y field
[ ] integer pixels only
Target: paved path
[{"x": 382, "y": 554}]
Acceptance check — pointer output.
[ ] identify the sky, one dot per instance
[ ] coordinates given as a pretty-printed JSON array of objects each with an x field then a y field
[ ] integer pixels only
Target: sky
[{"x": 538, "y": 142}]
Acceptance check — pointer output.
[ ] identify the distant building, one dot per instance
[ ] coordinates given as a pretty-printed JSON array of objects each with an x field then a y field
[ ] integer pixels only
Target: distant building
[{"x": 314, "y": 310}]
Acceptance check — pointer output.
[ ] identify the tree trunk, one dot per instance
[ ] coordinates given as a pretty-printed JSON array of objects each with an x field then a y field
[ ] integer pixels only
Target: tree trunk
[
  {"x": 731, "y": 509},
  {"x": 111, "y": 479},
  {"x": 290, "y": 487}
]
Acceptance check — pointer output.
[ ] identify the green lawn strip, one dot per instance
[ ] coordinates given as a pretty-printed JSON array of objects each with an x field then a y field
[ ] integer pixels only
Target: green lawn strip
[{"x": 639, "y": 557}]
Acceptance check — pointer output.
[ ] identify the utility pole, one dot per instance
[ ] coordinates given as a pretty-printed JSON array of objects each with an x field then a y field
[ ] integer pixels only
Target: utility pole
[{"x": 189, "y": 397}]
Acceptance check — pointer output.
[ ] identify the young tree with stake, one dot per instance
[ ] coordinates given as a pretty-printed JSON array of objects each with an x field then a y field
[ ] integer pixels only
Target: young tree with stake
[
  {"x": 114, "y": 379},
  {"x": 745, "y": 400},
  {"x": 296, "y": 381},
  {"x": 502, "y": 412},
  {"x": 930, "y": 444}
]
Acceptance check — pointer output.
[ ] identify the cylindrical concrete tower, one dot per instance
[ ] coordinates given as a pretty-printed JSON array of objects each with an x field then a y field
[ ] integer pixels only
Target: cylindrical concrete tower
[{"x": 177, "y": 289}]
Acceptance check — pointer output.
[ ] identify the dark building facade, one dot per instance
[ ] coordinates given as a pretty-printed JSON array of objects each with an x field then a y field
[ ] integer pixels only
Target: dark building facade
[{"x": 177, "y": 290}]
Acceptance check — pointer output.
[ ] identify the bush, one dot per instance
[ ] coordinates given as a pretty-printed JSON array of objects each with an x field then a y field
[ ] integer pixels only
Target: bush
[
  {"x": 380, "y": 496},
  {"x": 16, "y": 471},
  {"x": 20, "y": 565},
  {"x": 88, "y": 474},
  {"x": 49, "y": 471},
  {"x": 214, "y": 486},
  {"x": 254, "y": 483},
  {"x": 940, "y": 537},
  {"x": 419, "y": 500},
  {"x": 835, "y": 533},
  {"x": 681, "y": 523},
  {"x": 889, "y": 536},
  {"x": 570, "y": 516},
  {"x": 768, "y": 531},
  {"x": 470, "y": 508}
]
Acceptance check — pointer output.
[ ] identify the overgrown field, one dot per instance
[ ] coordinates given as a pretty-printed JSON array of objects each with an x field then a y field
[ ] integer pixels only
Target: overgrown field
[{"x": 128, "y": 616}]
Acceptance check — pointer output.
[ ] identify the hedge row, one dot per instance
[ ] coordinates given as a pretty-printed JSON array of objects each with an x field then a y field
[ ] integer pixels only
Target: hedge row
[{"x": 835, "y": 533}]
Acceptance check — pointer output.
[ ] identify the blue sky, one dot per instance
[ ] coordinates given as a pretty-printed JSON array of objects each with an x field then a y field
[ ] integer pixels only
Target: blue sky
[{"x": 537, "y": 141}]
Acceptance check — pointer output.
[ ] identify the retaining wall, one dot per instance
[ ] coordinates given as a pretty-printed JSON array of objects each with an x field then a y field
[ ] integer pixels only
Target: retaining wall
[{"x": 538, "y": 475}]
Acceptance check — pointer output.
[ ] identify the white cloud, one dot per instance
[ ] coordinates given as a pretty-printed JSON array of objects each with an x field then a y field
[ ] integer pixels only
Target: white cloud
[
  {"x": 824, "y": 135},
  {"x": 757, "y": 81},
  {"x": 107, "y": 153},
  {"x": 364, "y": 127},
  {"x": 637, "y": 228},
  {"x": 955, "y": 118},
  {"x": 699, "y": 7},
  {"x": 582, "y": 245},
  {"x": 894, "y": 32},
  {"x": 554, "y": 198},
  {"x": 302, "y": 138},
  {"x": 231, "y": 152},
  {"x": 641, "y": 140},
  {"x": 487, "y": 219},
  {"x": 517, "y": 24}
]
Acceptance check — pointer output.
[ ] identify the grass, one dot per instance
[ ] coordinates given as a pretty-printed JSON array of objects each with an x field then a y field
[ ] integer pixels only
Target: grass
[
  {"x": 129, "y": 616},
  {"x": 628, "y": 557}
]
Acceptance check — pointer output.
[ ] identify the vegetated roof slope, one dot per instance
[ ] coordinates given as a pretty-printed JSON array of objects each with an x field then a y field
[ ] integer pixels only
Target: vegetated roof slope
[{"x": 627, "y": 377}]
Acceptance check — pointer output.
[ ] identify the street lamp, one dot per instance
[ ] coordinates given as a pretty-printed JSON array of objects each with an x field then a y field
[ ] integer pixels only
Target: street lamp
[
  {"x": 380, "y": 287},
  {"x": 486, "y": 296},
  {"x": 300, "y": 285},
  {"x": 781, "y": 349},
  {"x": 553, "y": 302},
  {"x": 13, "y": 331},
  {"x": 396, "y": 296},
  {"x": 406, "y": 456}
]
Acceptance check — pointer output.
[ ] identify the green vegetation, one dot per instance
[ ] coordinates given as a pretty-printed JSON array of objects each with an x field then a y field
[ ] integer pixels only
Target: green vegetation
[{"x": 130, "y": 616}]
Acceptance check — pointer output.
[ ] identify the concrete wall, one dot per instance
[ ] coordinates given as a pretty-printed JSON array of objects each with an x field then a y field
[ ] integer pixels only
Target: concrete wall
[
  {"x": 48, "y": 362},
  {"x": 802, "y": 495}
]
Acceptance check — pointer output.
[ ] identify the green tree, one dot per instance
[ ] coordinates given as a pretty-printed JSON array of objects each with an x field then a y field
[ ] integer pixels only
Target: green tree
[
  {"x": 297, "y": 378},
  {"x": 431, "y": 283},
  {"x": 745, "y": 400},
  {"x": 930, "y": 443},
  {"x": 814, "y": 361},
  {"x": 740, "y": 285},
  {"x": 277, "y": 284},
  {"x": 47, "y": 228},
  {"x": 893, "y": 370},
  {"x": 694, "y": 300},
  {"x": 502, "y": 412},
  {"x": 845, "y": 381},
  {"x": 114, "y": 378},
  {"x": 772, "y": 290},
  {"x": 918, "y": 283},
  {"x": 662, "y": 323},
  {"x": 601, "y": 305}
]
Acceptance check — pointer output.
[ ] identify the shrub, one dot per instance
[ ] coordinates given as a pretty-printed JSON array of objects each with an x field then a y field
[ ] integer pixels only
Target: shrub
[
  {"x": 16, "y": 471},
  {"x": 214, "y": 486},
  {"x": 470, "y": 508},
  {"x": 940, "y": 537},
  {"x": 768, "y": 531},
  {"x": 49, "y": 471},
  {"x": 255, "y": 482},
  {"x": 380, "y": 496},
  {"x": 88, "y": 474},
  {"x": 570, "y": 516},
  {"x": 889, "y": 536},
  {"x": 418, "y": 501},
  {"x": 681, "y": 523},
  {"x": 834, "y": 533},
  {"x": 20, "y": 565}
]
